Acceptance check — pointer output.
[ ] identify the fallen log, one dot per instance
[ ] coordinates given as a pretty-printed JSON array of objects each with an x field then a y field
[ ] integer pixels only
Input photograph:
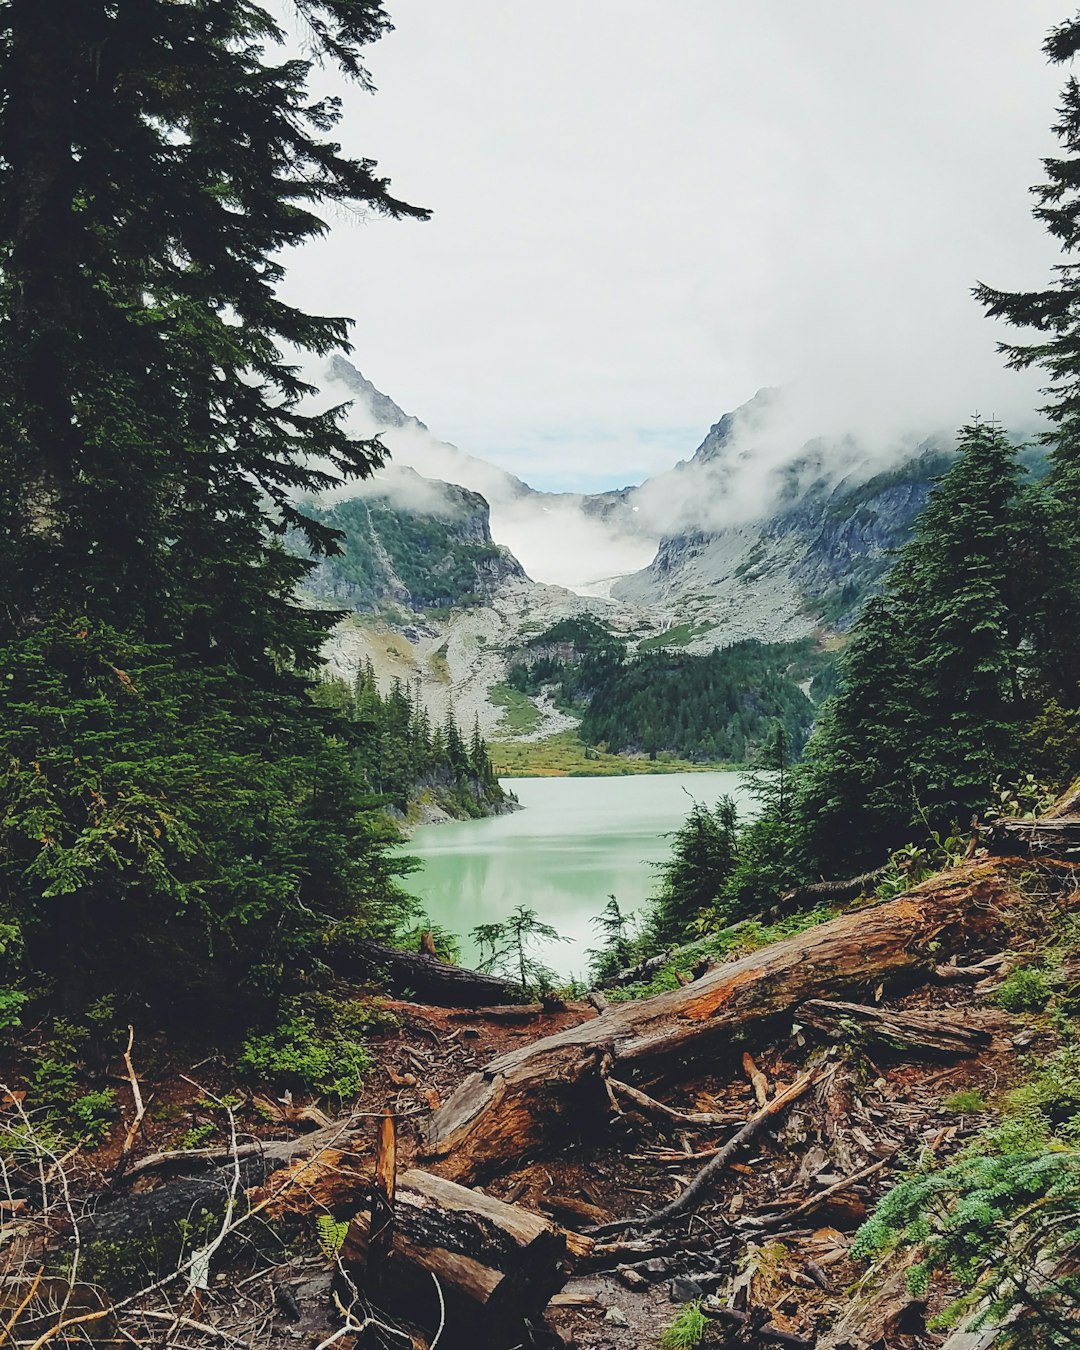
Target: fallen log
[
  {"x": 496, "y": 1265},
  {"x": 1048, "y": 837},
  {"x": 428, "y": 978},
  {"x": 847, "y": 889},
  {"x": 538, "y": 1091},
  {"x": 926, "y": 1033}
]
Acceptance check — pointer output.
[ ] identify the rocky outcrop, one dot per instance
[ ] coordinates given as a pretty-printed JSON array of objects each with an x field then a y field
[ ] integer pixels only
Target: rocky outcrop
[{"x": 412, "y": 543}]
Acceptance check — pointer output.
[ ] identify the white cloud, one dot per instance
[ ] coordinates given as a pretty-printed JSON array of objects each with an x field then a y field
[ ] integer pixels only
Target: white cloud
[{"x": 643, "y": 215}]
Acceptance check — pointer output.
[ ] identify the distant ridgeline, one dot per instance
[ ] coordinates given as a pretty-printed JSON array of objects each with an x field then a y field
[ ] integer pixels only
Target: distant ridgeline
[
  {"x": 717, "y": 706},
  {"x": 407, "y": 761},
  {"x": 435, "y": 554}
]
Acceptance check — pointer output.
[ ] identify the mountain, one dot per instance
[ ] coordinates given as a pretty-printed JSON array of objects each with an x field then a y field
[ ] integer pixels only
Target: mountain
[
  {"x": 564, "y": 538},
  {"x": 452, "y": 566},
  {"x": 412, "y": 542}
]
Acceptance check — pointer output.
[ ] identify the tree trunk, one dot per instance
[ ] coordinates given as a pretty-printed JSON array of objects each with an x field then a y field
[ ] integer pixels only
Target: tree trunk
[
  {"x": 1048, "y": 837},
  {"x": 911, "y": 1033},
  {"x": 496, "y": 1265},
  {"x": 429, "y": 979},
  {"x": 525, "y": 1097}
]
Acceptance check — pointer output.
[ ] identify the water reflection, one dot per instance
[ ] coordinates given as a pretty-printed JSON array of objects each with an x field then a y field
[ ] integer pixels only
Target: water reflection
[{"x": 577, "y": 841}]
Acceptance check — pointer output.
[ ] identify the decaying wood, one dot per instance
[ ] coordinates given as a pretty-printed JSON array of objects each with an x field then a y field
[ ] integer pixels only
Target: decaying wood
[
  {"x": 699, "y": 1187},
  {"x": 1047, "y": 837},
  {"x": 913, "y": 1033},
  {"x": 671, "y": 1115},
  {"x": 542, "y": 1090},
  {"x": 381, "y": 1217},
  {"x": 764, "y": 1331},
  {"x": 496, "y": 1265},
  {"x": 432, "y": 980},
  {"x": 757, "y": 1079},
  {"x": 847, "y": 889}
]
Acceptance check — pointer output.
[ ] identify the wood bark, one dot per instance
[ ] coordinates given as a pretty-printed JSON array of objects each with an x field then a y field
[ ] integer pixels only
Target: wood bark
[
  {"x": 532, "y": 1095},
  {"x": 912, "y": 1033},
  {"x": 496, "y": 1265},
  {"x": 429, "y": 979},
  {"x": 847, "y": 889},
  {"x": 1047, "y": 837}
]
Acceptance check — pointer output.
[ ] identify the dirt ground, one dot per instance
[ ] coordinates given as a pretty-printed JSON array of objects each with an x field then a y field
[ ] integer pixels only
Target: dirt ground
[{"x": 766, "y": 1254}]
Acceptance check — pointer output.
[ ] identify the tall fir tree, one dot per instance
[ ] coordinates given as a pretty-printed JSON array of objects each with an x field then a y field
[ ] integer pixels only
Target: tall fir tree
[
  {"x": 1054, "y": 315},
  {"x": 931, "y": 704},
  {"x": 166, "y": 782}
]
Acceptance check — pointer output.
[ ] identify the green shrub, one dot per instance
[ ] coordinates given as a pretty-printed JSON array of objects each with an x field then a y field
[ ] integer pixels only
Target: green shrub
[
  {"x": 92, "y": 1114},
  {"x": 1025, "y": 990},
  {"x": 12, "y": 1003},
  {"x": 965, "y": 1102},
  {"x": 301, "y": 1054},
  {"x": 686, "y": 1329}
]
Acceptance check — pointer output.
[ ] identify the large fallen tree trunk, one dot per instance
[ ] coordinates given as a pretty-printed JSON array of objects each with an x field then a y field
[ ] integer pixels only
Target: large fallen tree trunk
[
  {"x": 524, "y": 1097},
  {"x": 496, "y": 1265},
  {"x": 428, "y": 978}
]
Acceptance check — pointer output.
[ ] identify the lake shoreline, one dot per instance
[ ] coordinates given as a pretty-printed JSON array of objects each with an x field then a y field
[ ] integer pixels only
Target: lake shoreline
[{"x": 577, "y": 840}]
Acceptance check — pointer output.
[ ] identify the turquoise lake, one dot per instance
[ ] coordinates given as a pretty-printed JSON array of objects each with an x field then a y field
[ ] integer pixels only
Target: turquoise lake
[{"x": 575, "y": 842}]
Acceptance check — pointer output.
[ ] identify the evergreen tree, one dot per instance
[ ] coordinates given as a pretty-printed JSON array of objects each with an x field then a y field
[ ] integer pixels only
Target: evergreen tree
[
  {"x": 704, "y": 853},
  {"x": 1054, "y": 314},
  {"x": 156, "y": 161},
  {"x": 931, "y": 704}
]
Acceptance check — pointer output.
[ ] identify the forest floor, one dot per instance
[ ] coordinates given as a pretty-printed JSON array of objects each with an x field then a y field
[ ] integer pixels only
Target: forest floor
[{"x": 766, "y": 1252}]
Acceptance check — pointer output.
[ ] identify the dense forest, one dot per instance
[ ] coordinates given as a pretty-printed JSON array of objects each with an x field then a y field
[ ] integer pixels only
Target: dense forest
[
  {"x": 714, "y": 707},
  {"x": 403, "y": 758},
  {"x": 178, "y": 813}
]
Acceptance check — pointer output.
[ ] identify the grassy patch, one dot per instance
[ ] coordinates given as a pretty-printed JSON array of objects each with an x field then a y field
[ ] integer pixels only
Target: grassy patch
[
  {"x": 564, "y": 755},
  {"x": 520, "y": 714},
  {"x": 680, "y": 635}
]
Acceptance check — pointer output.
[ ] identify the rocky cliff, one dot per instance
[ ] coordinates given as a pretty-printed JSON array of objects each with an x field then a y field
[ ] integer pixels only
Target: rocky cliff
[{"x": 412, "y": 543}]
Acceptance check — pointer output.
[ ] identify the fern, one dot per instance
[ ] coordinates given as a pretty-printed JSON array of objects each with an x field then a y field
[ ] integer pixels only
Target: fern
[{"x": 331, "y": 1234}]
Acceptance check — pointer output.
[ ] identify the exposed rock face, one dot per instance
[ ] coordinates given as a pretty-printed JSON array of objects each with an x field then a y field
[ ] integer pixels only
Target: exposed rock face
[
  {"x": 413, "y": 543},
  {"x": 811, "y": 560}
]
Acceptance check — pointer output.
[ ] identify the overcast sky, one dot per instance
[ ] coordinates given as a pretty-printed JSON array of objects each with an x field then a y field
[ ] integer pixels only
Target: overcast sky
[{"x": 643, "y": 213}]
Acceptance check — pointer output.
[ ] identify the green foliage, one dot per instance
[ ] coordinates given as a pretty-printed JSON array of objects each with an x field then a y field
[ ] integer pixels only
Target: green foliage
[
  {"x": 617, "y": 933},
  {"x": 520, "y": 715},
  {"x": 398, "y": 755},
  {"x": 505, "y": 947},
  {"x": 331, "y": 1234},
  {"x": 1007, "y": 1205},
  {"x": 12, "y": 1002},
  {"x": 704, "y": 853},
  {"x": 175, "y": 814},
  {"x": 1025, "y": 990},
  {"x": 685, "y": 1330},
  {"x": 967, "y": 1101},
  {"x": 92, "y": 1115},
  {"x": 197, "y": 1137},
  {"x": 715, "y": 707},
  {"x": 300, "y": 1053},
  {"x": 942, "y": 676},
  {"x": 155, "y": 837}
]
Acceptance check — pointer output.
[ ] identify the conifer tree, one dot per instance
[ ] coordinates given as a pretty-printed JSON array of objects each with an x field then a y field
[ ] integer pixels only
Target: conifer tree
[
  {"x": 1054, "y": 315},
  {"x": 931, "y": 702},
  {"x": 167, "y": 785}
]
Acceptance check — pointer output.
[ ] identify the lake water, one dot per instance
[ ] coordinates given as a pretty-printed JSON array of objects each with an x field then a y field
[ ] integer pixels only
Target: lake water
[{"x": 575, "y": 842}]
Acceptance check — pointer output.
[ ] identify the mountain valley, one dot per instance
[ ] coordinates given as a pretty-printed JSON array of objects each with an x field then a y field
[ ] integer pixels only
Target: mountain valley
[{"x": 452, "y": 566}]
